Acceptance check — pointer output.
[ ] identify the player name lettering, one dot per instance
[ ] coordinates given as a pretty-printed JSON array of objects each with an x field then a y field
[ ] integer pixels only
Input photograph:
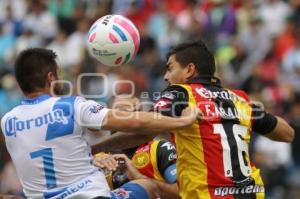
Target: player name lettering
[
  {"x": 203, "y": 92},
  {"x": 14, "y": 125},
  {"x": 224, "y": 112},
  {"x": 223, "y": 191},
  {"x": 74, "y": 189}
]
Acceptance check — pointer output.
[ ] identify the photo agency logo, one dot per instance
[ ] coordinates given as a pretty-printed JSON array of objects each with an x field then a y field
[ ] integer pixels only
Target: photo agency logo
[{"x": 101, "y": 87}]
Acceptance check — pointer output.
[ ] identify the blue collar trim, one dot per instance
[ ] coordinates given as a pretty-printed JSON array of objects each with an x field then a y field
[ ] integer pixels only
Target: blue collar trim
[{"x": 35, "y": 100}]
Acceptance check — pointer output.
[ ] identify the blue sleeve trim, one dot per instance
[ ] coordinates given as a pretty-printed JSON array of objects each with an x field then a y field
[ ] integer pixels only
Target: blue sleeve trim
[
  {"x": 170, "y": 174},
  {"x": 61, "y": 118}
]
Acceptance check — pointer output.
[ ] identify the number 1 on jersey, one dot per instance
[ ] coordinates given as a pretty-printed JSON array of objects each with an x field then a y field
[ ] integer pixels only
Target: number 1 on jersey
[{"x": 46, "y": 154}]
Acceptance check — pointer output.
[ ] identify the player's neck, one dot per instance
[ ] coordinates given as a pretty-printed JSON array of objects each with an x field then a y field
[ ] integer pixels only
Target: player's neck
[{"x": 35, "y": 94}]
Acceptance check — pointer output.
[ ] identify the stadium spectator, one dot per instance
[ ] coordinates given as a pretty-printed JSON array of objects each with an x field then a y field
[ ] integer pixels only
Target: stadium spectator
[
  {"x": 41, "y": 21},
  {"x": 273, "y": 14},
  {"x": 291, "y": 63},
  {"x": 274, "y": 157}
]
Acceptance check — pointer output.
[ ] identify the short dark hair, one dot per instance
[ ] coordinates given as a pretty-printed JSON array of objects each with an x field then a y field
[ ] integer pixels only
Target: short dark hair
[
  {"x": 197, "y": 53},
  {"x": 32, "y": 67}
]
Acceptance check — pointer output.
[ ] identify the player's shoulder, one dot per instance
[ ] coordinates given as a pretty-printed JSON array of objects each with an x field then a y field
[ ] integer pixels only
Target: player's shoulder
[
  {"x": 176, "y": 87},
  {"x": 13, "y": 112},
  {"x": 9, "y": 114},
  {"x": 164, "y": 143},
  {"x": 72, "y": 100},
  {"x": 175, "y": 91},
  {"x": 94, "y": 106},
  {"x": 6, "y": 115},
  {"x": 68, "y": 98},
  {"x": 241, "y": 93},
  {"x": 79, "y": 99}
]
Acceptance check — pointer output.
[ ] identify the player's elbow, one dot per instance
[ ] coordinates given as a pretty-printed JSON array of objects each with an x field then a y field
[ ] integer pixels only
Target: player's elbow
[
  {"x": 289, "y": 135},
  {"x": 286, "y": 131},
  {"x": 282, "y": 133}
]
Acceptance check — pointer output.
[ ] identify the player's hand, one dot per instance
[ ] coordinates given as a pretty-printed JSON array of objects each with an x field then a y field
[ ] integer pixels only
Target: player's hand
[
  {"x": 131, "y": 172},
  {"x": 190, "y": 114},
  {"x": 104, "y": 160}
]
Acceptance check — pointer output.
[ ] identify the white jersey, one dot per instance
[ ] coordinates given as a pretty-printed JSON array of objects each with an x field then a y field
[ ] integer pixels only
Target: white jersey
[{"x": 44, "y": 137}]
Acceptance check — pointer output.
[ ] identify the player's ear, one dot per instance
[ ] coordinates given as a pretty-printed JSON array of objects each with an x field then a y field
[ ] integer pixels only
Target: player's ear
[
  {"x": 190, "y": 70},
  {"x": 50, "y": 78}
]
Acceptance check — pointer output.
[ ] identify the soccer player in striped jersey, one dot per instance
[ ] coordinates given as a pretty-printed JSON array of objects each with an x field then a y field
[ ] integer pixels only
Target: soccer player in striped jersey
[
  {"x": 213, "y": 157},
  {"x": 154, "y": 160},
  {"x": 44, "y": 134}
]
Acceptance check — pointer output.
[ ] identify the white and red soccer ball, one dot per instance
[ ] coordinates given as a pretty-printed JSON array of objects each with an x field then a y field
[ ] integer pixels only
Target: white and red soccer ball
[{"x": 113, "y": 40}]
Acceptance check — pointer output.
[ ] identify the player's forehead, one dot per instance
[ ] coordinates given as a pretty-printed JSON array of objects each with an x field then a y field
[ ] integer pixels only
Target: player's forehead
[{"x": 171, "y": 60}]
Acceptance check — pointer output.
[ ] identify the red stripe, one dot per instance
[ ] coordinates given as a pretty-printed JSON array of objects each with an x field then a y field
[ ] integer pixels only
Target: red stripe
[
  {"x": 92, "y": 37},
  {"x": 113, "y": 38},
  {"x": 118, "y": 60},
  {"x": 212, "y": 146}
]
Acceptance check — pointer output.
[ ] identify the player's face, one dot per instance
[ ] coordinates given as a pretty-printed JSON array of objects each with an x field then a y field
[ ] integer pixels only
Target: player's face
[{"x": 175, "y": 73}]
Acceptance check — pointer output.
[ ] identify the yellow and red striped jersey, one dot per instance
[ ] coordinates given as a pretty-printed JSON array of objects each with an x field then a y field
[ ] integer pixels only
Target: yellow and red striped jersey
[
  {"x": 155, "y": 159},
  {"x": 213, "y": 157}
]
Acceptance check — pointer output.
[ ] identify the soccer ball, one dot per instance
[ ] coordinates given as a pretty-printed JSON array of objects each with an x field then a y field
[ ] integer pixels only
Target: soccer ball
[{"x": 113, "y": 40}]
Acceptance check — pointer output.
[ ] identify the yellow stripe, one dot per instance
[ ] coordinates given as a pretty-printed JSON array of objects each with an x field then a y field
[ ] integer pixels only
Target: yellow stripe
[
  {"x": 245, "y": 112},
  {"x": 191, "y": 166},
  {"x": 258, "y": 181},
  {"x": 153, "y": 154},
  {"x": 109, "y": 180},
  {"x": 243, "y": 108}
]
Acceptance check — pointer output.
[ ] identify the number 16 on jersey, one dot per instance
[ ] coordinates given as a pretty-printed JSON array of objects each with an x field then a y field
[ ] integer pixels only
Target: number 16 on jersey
[{"x": 232, "y": 138}]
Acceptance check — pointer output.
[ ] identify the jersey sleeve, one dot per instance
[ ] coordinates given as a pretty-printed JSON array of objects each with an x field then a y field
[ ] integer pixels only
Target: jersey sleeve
[
  {"x": 89, "y": 113},
  {"x": 166, "y": 160},
  {"x": 3, "y": 119},
  {"x": 262, "y": 122},
  {"x": 172, "y": 101}
]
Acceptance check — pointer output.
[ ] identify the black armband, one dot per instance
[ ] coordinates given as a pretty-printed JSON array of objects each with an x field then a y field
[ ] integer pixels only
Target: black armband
[{"x": 264, "y": 125}]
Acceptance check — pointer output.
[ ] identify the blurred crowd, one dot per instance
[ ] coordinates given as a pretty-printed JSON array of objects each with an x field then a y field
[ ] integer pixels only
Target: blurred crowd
[{"x": 256, "y": 45}]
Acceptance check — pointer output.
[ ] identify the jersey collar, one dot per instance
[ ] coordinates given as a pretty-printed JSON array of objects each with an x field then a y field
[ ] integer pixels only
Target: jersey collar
[
  {"x": 35, "y": 100},
  {"x": 205, "y": 80}
]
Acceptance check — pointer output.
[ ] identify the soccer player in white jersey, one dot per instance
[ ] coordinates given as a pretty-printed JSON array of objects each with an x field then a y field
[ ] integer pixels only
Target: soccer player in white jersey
[{"x": 44, "y": 135}]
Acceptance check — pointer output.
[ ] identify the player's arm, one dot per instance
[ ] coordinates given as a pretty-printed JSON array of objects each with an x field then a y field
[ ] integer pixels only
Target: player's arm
[
  {"x": 166, "y": 163},
  {"x": 168, "y": 191},
  {"x": 145, "y": 122},
  {"x": 273, "y": 127},
  {"x": 282, "y": 132},
  {"x": 94, "y": 116},
  {"x": 171, "y": 103}
]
